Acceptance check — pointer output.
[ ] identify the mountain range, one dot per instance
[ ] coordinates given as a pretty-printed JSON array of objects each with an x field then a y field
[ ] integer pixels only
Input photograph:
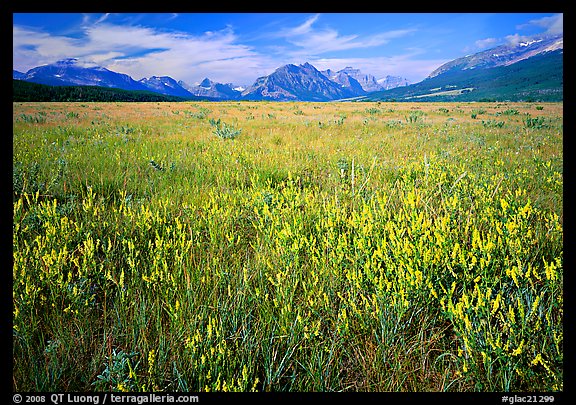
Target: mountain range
[
  {"x": 287, "y": 83},
  {"x": 214, "y": 90},
  {"x": 525, "y": 70}
]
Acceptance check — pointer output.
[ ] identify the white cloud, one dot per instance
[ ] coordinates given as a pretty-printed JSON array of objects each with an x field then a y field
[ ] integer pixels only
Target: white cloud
[
  {"x": 482, "y": 44},
  {"x": 141, "y": 51},
  {"x": 32, "y": 48},
  {"x": 515, "y": 39},
  {"x": 302, "y": 29},
  {"x": 316, "y": 41},
  {"x": 406, "y": 66},
  {"x": 486, "y": 43},
  {"x": 103, "y": 18},
  {"x": 554, "y": 24}
]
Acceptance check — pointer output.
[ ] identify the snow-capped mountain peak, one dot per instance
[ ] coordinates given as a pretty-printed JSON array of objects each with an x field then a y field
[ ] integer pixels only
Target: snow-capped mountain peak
[
  {"x": 211, "y": 89},
  {"x": 165, "y": 85},
  {"x": 367, "y": 82}
]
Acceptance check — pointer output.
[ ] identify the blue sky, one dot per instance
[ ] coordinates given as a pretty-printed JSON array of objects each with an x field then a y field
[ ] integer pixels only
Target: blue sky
[{"x": 240, "y": 47}]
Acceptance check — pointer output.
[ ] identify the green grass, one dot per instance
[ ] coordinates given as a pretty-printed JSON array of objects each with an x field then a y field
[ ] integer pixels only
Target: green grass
[{"x": 153, "y": 254}]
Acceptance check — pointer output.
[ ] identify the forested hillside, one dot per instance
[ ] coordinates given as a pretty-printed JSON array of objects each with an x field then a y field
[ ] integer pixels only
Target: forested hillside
[{"x": 26, "y": 91}]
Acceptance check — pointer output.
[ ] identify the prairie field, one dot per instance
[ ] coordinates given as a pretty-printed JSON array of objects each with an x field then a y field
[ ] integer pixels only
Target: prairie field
[{"x": 298, "y": 246}]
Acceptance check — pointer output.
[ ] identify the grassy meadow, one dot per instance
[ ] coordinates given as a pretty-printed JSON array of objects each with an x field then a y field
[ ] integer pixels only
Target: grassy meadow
[{"x": 266, "y": 246}]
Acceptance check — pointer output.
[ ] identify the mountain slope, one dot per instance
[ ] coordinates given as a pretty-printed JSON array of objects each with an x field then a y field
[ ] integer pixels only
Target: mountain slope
[
  {"x": 349, "y": 83},
  {"x": 30, "y": 91},
  {"x": 391, "y": 82},
  {"x": 352, "y": 80},
  {"x": 503, "y": 55},
  {"x": 539, "y": 77},
  {"x": 71, "y": 72},
  {"x": 367, "y": 82},
  {"x": 18, "y": 75},
  {"x": 296, "y": 83},
  {"x": 166, "y": 85},
  {"x": 208, "y": 88}
]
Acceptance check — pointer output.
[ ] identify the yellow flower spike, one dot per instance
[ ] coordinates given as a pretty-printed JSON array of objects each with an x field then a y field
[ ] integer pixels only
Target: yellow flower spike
[
  {"x": 528, "y": 271},
  {"x": 496, "y": 304},
  {"x": 121, "y": 282},
  {"x": 535, "y": 305},
  {"x": 209, "y": 328},
  {"x": 557, "y": 341},
  {"x": 498, "y": 229},
  {"x": 519, "y": 267},
  {"x": 514, "y": 273},
  {"x": 518, "y": 350},
  {"x": 256, "y": 381},
  {"x": 465, "y": 300},
  {"x": 537, "y": 359},
  {"x": 418, "y": 277},
  {"x": 432, "y": 290},
  {"x": 476, "y": 240},
  {"x": 151, "y": 361},
  {"x": 473, "y": 261},
  {"x": 550, "y": 270},
  {"x": 455, "y": 250},
  {"x": 479, "y": 297},
  {"x": 467, "y": 322}
]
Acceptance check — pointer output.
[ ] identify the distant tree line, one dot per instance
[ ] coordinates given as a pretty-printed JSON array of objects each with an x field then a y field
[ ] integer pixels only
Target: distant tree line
[{"x": 27, "y": 91}]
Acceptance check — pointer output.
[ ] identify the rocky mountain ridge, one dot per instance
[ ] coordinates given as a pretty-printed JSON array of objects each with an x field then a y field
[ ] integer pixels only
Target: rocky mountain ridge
[
  {"x": 297, "y": 82},
  {"x": 503, "y": 55},
  {"x": 215, "y": 90},
  {"x": 287, "y": 83},
  {"x": 166, "y": 85}
]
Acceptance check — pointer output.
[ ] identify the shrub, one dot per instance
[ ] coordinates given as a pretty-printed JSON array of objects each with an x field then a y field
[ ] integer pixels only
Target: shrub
[{"x": 223, "y": 130}]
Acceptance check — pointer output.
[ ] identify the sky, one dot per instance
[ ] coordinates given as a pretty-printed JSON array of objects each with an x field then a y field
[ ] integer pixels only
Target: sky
[{"x": 240, "y": 47}]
